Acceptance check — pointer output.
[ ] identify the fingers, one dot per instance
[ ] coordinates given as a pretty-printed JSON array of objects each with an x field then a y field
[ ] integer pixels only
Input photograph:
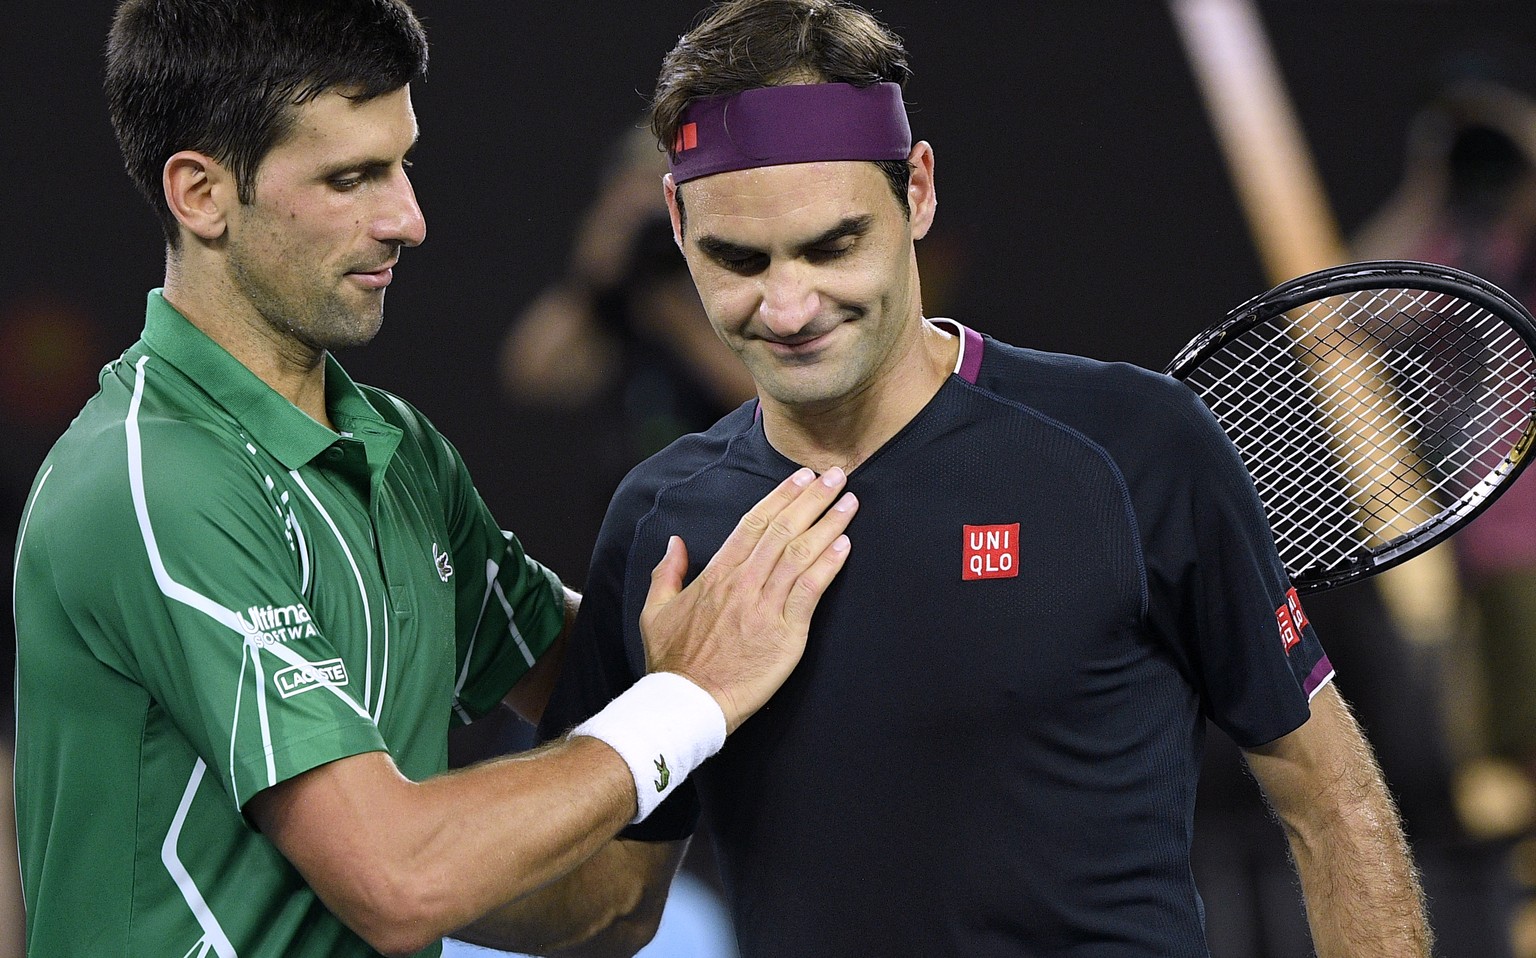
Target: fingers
[
  {"x": 801, "y": 531},
  {"x": 756, "y": 523},
  {"x": 760, "y": 538},
  {"x": 810, "y": 562},
  {"x": 807, "y": 589},
  {"x": 804, "y": 549},
  {"x": 667, "y": 577},
  {"x": 741, "y": 626}
]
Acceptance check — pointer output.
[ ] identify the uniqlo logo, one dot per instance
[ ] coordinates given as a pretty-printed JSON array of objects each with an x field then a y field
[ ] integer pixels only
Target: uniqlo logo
[
  {"x": 1288, "y": 631},
  {"x": 991, "y": 552},
  {"x": 1293, "y": 602},
  {"x": 687, "y": 138}
]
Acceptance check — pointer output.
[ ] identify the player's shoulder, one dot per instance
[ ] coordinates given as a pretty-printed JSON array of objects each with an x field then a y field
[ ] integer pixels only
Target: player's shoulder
[
  {"x": 157, "y": 458},
  {"x": 1022, "y": 373},
  {"x": 1081, "y": 391},
  {"x": 687, "y": 457},
  {"x": 146, "y": 414}
]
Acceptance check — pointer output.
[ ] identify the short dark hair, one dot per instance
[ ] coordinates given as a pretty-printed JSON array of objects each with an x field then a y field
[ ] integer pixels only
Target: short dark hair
[
  {"x": 744, "y": 44},
  {"x": 223, "y": 76}
]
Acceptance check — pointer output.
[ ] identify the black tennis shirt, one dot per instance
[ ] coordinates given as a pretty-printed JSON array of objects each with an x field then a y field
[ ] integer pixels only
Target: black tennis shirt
[{"x": 1059, "y": 568}]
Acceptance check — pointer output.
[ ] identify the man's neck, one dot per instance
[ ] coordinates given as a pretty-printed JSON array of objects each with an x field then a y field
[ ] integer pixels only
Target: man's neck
[
  {"x": 294, "y": 371},
  {"x": 849, "y": 430}
]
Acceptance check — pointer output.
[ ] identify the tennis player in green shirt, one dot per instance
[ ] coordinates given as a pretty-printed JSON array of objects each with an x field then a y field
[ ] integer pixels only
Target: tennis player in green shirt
[{"x": 251, "y": 594}]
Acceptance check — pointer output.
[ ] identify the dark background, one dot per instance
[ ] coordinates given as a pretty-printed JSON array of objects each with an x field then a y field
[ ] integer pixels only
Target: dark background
[{"x": 1083, "y": 203}]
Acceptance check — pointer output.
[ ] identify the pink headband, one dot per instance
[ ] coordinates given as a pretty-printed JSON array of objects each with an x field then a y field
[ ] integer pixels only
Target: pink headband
[{"x": 799, "y": 123}]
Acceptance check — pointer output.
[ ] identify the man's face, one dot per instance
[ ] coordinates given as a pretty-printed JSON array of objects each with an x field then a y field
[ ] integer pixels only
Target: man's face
[
  {"x": 332, "y": 207},
  {"x": 807, "y": 272}
]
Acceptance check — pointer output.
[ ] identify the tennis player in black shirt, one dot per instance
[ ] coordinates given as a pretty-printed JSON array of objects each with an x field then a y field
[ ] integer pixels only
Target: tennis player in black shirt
[{"x": 991, "y": 745}]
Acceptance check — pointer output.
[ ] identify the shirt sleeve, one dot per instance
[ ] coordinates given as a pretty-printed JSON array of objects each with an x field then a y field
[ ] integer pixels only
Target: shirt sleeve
[
  {"x": 193, "y": 595},
  {"x": 509, "y": 608},
  {"x": 1217, "y": 587}
]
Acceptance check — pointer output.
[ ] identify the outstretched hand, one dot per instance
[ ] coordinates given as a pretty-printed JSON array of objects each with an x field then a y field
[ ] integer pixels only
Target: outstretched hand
[{"x": 740, "y": 628}]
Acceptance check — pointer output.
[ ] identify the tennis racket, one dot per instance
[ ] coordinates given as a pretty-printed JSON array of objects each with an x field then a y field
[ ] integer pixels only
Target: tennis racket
[{"x": 1378, "y": 406}]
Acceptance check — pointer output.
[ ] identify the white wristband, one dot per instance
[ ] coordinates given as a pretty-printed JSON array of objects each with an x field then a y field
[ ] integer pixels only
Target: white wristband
[{"x": 664, "y": 727}]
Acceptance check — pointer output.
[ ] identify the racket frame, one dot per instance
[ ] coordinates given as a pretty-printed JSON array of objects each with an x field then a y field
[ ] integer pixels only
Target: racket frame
[{"x": 1356, "y": 277}]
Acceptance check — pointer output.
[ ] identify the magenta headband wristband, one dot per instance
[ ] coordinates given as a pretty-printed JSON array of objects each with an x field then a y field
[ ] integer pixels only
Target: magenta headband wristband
[{"x": 799, "y": 123}]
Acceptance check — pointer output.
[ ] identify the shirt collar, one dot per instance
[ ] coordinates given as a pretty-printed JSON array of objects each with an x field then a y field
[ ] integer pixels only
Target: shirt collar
[
  {"x": 968, "y": 363},
  {"x": 269, "y": 419}
]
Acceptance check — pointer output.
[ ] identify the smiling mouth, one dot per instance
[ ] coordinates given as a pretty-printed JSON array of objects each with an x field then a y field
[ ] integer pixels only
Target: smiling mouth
[
  {"x": 795, "y": 352},
  {"x": 375, "y": 278},
  {"x": 802, "y": 346},
  {"x": 797, "y": 347}
]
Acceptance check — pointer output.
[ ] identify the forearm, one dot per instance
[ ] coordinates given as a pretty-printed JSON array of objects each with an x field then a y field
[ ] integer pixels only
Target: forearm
[
  {"x": 1362, "y": 892},
  {"x": 497, "y": 832},
  {"x": 609, "y": 907},
  {"x": 405, "y": 863}
]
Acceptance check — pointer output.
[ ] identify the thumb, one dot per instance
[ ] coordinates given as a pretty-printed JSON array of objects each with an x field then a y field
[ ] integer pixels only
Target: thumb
[{"x": 667, "y": 577}]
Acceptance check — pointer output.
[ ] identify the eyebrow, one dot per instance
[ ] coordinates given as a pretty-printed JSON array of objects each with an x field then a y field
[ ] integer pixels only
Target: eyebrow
[{"x": 848, "y": 226}]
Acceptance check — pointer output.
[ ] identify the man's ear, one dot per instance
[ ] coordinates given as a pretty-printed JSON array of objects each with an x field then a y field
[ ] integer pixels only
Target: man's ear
[
  {"x": 922, "y": 195},
  {"x": 674, "y": 209},
  {"x": 199, "y": 191}
]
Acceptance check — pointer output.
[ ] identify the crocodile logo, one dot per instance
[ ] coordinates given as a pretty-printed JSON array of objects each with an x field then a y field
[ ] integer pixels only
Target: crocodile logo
[{"x": 663, "y": 774}]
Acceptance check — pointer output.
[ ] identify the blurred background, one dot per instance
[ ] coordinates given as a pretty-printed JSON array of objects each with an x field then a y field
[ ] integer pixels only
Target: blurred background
[{"x": 1085, "y": 206}]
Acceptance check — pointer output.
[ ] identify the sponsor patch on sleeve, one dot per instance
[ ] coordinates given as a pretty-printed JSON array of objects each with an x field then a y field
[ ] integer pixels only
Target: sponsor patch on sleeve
[
  {"x": 301, "y": 678},
  {"x": 1293, "y": 602},
  {"x": 1290, "y": 636}
]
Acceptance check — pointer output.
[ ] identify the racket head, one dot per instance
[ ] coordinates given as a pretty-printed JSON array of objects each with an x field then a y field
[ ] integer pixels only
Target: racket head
[{"x": 1379, "y": 407}]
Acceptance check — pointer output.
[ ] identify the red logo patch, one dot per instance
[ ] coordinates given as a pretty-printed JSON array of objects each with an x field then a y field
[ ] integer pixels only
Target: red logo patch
[
  {"x": 1297, "y": 615},
  {"x": 687, "y": 138},
  {"x": 1288, "y": 632},
  {"x": 991, "y": 552}
]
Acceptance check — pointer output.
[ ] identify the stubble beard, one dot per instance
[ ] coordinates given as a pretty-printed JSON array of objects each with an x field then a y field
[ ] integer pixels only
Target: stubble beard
[
  {"x": 808, "y": 385},
  {"x": 321, "y": 320}
]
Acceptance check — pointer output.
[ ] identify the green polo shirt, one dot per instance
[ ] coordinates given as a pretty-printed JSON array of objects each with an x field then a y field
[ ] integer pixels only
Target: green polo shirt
[{"x": 215, "y": 593}]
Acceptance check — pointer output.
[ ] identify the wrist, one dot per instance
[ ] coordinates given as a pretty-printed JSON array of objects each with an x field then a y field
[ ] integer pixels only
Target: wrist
[{"x": 663, "y": 727}]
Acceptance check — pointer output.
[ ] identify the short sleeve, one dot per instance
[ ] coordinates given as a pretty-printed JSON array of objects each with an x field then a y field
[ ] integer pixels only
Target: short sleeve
[
  {"x": 509, "y": 608},
  {"x": 193, "y": 594},
  {"x": 1217, "y": 588}
]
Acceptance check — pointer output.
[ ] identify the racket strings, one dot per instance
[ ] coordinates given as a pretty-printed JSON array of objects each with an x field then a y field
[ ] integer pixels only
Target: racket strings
[{"x": 1366, "y": 416}]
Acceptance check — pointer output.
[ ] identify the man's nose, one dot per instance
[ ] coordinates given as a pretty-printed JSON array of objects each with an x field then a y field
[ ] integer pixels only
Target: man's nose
[{"x": 789, "y": 299}]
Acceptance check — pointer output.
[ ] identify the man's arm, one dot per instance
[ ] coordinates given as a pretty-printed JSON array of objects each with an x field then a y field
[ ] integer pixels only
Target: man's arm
[
  {"x": 609, "y": 907},
  {"x": 531, "y": 693},
  {"x": 1362, "y": 891},
  {"x": 404, "y": 863}
]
